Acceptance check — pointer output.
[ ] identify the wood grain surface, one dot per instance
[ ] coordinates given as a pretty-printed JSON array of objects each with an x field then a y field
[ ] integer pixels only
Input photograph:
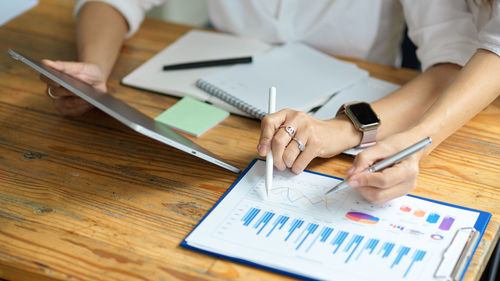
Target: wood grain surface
[{"x": 88, "y": 199}]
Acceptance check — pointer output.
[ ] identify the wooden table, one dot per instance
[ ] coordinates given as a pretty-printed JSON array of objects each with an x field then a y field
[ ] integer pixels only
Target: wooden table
[{"x": 89, "y": 199}]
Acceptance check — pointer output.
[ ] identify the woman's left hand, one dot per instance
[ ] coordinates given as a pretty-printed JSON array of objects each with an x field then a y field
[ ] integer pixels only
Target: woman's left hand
[{"x": 296, "y": 138}]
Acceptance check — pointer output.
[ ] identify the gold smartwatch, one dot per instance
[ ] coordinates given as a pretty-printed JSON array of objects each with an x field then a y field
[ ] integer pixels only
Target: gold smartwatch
[{"x": 364, "y": 119}]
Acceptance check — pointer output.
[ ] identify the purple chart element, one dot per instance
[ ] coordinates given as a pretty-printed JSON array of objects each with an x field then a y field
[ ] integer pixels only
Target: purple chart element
[{"x": 446, "y": 223}]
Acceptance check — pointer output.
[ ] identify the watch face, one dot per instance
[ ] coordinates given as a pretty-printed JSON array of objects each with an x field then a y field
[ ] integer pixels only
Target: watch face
[{"x": 364, "y": 113}]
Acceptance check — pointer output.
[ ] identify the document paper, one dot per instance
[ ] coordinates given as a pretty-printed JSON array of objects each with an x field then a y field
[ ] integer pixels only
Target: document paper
[{"x": 298, "y": 230}]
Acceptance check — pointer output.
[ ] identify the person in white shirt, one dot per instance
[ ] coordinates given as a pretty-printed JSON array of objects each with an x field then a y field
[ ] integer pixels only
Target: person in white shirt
[
  {"x": 367, "y": 30},
  {"x": 345, "y": 28},
  {"x": 349, "y": 28},
  {"x": 436, "y": 103}
]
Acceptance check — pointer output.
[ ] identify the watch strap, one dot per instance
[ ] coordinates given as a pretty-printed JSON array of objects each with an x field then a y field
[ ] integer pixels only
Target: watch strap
[{"x": 368, "y": 138}]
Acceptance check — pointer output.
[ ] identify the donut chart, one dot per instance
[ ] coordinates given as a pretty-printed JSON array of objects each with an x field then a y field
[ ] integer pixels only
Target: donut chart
[{"x": 362, "y": 217}]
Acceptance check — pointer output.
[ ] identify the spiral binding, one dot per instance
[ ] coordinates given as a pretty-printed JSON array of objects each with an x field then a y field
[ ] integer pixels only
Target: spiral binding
[{"x": 232, "y": 100}]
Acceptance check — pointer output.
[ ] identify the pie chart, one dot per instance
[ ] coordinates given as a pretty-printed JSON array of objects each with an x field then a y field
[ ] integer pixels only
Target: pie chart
[{"x": 362, "y": 217}]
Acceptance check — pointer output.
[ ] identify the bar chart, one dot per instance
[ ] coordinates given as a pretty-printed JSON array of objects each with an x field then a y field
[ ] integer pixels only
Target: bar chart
[{"x": 319, "y": 240}]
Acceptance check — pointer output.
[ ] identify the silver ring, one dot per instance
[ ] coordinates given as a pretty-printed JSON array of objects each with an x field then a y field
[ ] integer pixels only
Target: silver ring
[
  {"x": 289, "y": 129},
  {"x": 51, "y": 95},
  {"x": 302, "y": 146}
]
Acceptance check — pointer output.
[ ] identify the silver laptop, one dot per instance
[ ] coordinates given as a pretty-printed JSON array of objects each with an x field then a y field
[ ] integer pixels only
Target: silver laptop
[{"x": 125, "y": 113}]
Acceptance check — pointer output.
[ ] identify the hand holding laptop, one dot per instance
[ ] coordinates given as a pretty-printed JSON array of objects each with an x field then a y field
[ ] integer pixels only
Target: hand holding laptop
[
  {"x": 65, "y": 101},
  {"x": 119, "y": 110}
]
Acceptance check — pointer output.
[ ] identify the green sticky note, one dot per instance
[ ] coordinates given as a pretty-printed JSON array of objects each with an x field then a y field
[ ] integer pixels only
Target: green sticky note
[{"x": 192, "y": 116}]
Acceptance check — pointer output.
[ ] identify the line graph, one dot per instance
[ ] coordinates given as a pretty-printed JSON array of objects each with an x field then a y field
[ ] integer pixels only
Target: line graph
[{"x": 298, "y": 193}]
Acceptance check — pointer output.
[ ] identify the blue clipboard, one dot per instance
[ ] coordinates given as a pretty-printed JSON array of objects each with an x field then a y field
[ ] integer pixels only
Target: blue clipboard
[{"x": 480, "y": 226}]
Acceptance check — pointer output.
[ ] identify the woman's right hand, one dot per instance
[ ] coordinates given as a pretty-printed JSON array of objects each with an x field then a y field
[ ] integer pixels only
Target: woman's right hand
[{"x": 65, "y": 101}]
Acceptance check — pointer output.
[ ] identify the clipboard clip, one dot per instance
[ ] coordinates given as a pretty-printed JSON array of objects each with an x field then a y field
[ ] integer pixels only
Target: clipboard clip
[{"x": 457, "y": 254}]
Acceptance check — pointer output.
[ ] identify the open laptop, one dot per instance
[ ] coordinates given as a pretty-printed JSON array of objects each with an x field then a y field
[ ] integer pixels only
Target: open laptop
[{"x": 125, "y": 113}]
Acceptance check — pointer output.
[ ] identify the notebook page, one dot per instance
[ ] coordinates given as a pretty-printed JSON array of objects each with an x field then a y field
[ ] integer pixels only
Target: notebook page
[{"x": 304, "y": 78}]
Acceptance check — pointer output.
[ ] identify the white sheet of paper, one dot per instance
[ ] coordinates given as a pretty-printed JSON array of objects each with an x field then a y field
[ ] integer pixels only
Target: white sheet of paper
[
  {"x": 298, "y": 229},
  {"x": 369, "y": 90},
  {"x": 10, "y": 9}
]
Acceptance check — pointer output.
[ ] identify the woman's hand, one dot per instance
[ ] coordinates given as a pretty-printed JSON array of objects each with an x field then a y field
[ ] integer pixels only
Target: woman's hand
[
  {"x": 284, "y": 131},
  {"x": 391, "y": 182},
  {"x": 66, "y": 102}
]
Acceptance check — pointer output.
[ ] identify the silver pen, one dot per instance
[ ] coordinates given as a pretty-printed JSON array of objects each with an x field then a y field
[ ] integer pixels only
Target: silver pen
[{"x": 398, "y": 157}]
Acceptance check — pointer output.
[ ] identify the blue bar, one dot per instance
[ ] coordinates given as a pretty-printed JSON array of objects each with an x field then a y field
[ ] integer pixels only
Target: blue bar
[
  {"x": 281, "y": 220},
  {"x": 387, "y": 247},
  {"x": 298, "y": 237},
  {"x": 355, "y": 240},
  {"x": 417, "y": 256},
  {"x": 260, "y": 220},
  {"x": 324, "y": 233},
  {"x": 295, "y": 225},
  {"x": 369, "y": 245},
  {"x": 251, "y": 214},
  {"x": 402, "y": 251},
  {"x": 264, "y": 219},
  {"x": 432, "y": 218},
  {"x": 284, "y": 221},
  {"x": 247, "y": 214},
  {"x": 339, "y": 239},
  {"x": 373, "y": 244},
  {"x": 311, "y": 228}
]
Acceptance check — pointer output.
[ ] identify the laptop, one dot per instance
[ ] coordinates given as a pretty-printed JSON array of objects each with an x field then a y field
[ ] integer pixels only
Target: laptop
[{"x": 126, "y": 114}]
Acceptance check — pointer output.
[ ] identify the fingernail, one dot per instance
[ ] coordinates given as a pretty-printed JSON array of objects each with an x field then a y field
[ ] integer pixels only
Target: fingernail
[
  {"x": 349, "y": 172},
  {"x": 262, "y": 149},
  {"x": 353, "y": 183}
]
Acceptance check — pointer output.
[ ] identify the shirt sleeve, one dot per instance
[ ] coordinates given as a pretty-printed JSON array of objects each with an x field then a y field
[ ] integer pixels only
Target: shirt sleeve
[
  {"x": 132, "y": 10},
  {"x": 443, "y": 31},
  {"x": 489, "y": 37}
]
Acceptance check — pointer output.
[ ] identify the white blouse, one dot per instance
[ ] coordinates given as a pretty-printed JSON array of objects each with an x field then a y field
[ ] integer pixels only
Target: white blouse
[
  {"x": 368, "y": 30},
  {"x": 451, "y": 30},
  {"x": 444, "y": 30}
]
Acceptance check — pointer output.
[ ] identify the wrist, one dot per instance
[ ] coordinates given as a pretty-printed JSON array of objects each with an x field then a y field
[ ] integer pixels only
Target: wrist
[
  {"x": 351, "y": 137},
  {"x": 415, "y": 135},
  {"x": 91, "y": 59}
]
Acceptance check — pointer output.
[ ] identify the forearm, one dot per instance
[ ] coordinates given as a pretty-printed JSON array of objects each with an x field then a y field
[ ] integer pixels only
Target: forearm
[
  {"x": 398, "y": 111},
  {"x": 476, "y": 86},
  {"x": 100, "y": 33},
  {"x": 403, "y": 108}
]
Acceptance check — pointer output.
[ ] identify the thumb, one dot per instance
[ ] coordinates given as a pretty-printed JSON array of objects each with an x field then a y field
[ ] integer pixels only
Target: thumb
[
  {"x": 367, "y": 158},
  {"x": 68, "y": 67},
  {"x": 53, "y": 64}
]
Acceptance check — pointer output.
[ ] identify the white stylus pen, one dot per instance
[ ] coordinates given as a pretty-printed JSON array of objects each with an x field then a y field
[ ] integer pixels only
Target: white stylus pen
[
  {"x": 269, "y": 158},
  {"x": 398, "y": 157}
]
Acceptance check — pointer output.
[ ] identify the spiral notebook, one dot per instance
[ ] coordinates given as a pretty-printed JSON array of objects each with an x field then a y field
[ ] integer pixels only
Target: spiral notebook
[
  {"x": 304, "y": 77},
  {"x": 195, "y": 45}
]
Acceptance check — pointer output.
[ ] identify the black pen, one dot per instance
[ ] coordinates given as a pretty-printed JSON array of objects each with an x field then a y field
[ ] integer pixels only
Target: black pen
[{"x": 207, "y": 63}]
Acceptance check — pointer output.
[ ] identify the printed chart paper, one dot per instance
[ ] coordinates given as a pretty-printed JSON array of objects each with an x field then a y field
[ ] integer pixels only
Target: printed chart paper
[{"x": 299, "y": 230}]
